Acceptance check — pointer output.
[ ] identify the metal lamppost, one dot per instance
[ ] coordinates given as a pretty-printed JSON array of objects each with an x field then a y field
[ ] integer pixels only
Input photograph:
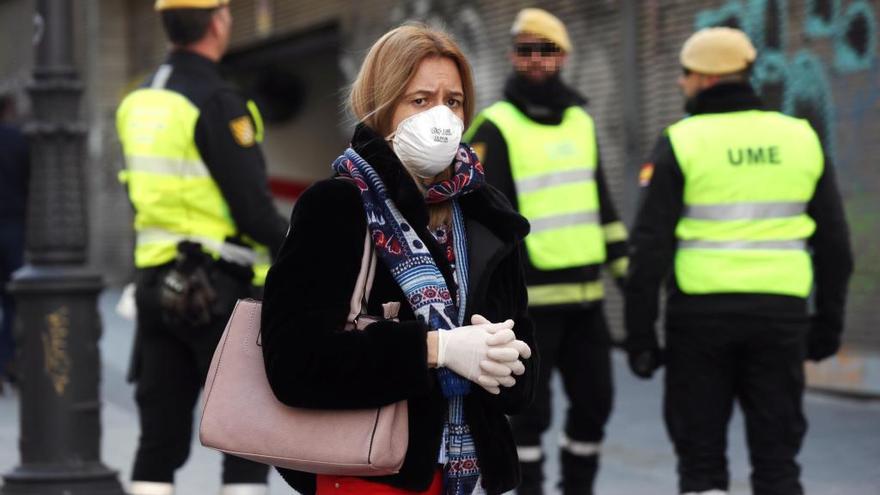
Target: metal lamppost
[{"x": 58, "y": 323}]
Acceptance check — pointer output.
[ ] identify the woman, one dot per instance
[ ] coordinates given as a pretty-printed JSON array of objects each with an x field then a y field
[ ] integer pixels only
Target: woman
[{"x": 448, "y": 251}]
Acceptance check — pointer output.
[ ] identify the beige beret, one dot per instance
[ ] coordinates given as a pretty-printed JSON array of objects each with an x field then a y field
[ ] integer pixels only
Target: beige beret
[
  {"x": 189, "y": 4},
  {"x": 541, "y": 23},
  {"x": 717, "y": 50}
]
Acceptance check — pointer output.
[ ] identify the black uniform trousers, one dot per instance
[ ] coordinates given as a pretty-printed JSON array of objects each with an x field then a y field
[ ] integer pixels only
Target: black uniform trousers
[
  {"x": 577, "y": 342},
  {"x": 170, "y": 365},
  {"x": 712, "y": 361}
]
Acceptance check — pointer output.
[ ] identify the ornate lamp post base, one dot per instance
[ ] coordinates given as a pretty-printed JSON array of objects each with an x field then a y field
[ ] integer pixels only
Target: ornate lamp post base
[
  {"x": 60, "y": 429},
  {"x": 90, "y": 479}
]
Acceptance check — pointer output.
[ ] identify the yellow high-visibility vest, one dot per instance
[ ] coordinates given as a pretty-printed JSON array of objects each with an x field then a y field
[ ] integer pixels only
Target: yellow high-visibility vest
[
  {"x": 748, "y": 177},
  {"x": 174, "y": 196},
  {"x": 553, "y": 169}
]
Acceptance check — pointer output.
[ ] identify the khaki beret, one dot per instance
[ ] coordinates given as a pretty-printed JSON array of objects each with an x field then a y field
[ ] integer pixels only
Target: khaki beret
[
  {"x": 189, "y": 4},
  {"x": 717, "y": 50},
  {"x": 541, "y": 23}
]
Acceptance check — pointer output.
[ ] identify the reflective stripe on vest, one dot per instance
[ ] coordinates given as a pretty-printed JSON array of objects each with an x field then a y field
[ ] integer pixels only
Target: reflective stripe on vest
[
  {"x": 553, "y": 168},
  {"x": 173, "y": 193},
  {"x": 748, "y": 177},
  {"x": 553, "y": 179},
  {"x": 167, "y": 166},
  {"x": 557, "y": 294},
  {"x": 557, "y": 222},
  {"x": 795, "y": 244},
  {"x": 745, "y": 211},
  {"x": 234, "y": 253}
]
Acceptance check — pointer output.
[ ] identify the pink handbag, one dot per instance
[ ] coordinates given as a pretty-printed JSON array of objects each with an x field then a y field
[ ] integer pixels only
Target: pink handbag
[{"x": 242, "y": 416}]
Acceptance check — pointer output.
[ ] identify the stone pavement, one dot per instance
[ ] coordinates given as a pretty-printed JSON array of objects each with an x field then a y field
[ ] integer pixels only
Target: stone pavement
[{"x": 841, "y": 455}]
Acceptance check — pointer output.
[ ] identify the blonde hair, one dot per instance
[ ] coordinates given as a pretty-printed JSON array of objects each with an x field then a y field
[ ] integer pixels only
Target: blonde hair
[
  {"x": 387, "y": 70},
  {"x": 391, "y": 64}
]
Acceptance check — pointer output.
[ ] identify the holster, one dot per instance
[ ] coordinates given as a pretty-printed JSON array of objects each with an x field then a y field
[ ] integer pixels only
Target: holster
[{"x": 186, "y": 293}]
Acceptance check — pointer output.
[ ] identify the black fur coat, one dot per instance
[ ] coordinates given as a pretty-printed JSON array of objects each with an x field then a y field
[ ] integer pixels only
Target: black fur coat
[{"x": 312, "y": 363}]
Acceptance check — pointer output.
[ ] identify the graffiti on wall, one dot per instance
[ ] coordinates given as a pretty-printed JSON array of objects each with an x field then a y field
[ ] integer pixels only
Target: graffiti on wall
[
  {"x": 798, "y": 84},
  {"x": 837, "y": 49}
]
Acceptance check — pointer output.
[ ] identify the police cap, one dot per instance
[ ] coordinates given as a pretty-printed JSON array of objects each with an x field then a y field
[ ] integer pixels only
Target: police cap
[
  {"x": 544, "y": 24},
  {"x": 717, "y": 50},
  {"x": 189, "y": 4}
]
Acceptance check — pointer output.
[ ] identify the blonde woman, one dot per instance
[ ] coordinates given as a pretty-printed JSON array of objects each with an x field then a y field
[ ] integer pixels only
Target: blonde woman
[{"x": 448, "y": 247}]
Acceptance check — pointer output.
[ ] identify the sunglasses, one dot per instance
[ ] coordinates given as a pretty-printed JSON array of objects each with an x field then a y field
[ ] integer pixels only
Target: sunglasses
[{"x": 545, "y": 48}]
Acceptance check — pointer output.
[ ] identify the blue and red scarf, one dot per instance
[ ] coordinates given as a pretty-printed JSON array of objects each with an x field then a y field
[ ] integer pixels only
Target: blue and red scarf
[{"x": 414, "y": 270}]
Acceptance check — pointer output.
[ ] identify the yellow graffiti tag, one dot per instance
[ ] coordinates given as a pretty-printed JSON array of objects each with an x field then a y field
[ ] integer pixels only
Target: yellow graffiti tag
[{"x": 56, "y": 358}]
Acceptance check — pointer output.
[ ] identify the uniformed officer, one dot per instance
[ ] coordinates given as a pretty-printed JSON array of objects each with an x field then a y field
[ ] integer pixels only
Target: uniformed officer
[
  {"x": 539, "y": 147},
  {"x": 196, "y": 178},
  {"x": 740, "y": 205}
]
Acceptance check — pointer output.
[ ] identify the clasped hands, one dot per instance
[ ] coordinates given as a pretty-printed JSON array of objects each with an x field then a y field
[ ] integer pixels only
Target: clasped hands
[{"x": 485, "y": 353}]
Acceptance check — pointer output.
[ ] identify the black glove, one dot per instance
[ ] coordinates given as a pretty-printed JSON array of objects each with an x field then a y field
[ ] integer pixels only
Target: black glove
[
  {"x": 644, "y": 363},
  {"x": 823, "y": 340},
  {"x": 644, "y": 353}
]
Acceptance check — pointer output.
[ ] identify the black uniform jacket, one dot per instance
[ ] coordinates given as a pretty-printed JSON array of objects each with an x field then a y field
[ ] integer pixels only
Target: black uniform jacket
[
  {"x": 653, "y": 243},
  {"x": 238, "y": 169},
  {"x": 311, "y": 362},
  {"x": 544, "y": 104}
]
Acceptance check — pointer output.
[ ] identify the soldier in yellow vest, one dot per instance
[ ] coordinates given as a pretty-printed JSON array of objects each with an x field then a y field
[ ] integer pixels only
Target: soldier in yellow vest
[
  {"x": 740, "y": 217},
  {"x": 205, "y": 226},
  {"x": 539, "y": 147}
]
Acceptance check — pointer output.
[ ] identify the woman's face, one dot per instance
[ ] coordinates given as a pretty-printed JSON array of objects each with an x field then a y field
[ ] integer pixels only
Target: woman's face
[{"x": 436, "y": 82}]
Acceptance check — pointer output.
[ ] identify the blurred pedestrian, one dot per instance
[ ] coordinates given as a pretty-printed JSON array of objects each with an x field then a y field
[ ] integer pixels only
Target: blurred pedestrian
[
  {"x": 539, "y": 148},
  {"x": 14, "y": 173},
  {"x": 447, "y": 253},
  {"x": 196, "y": 177},
  {"x": 739, "y": 205}
]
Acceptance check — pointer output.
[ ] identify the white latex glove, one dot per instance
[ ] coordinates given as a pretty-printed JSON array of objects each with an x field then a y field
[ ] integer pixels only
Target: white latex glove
[
  {"x": 462, "y": 349},
  {"x": 503, "y": 353},
  {"x": 504, "y": 360}
]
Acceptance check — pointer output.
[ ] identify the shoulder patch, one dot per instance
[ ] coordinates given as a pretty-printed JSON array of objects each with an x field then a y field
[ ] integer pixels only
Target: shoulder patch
[
  {"x": 243, "y": 131},
  {"x": 645, "y": 174},
  {"x": 480, "y": 150}
]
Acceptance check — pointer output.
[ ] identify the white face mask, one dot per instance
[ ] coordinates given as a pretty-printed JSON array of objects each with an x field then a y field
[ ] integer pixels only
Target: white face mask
[{"x": 427, "y": 142}]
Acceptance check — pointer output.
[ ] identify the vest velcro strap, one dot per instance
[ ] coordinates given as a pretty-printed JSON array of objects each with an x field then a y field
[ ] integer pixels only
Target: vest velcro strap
[
  {"x": 614, "y": 232},
  {"x": 176, "y": 167},
  {"x": 564, "y": 220},
  {"x": 745, "y": 211},
  {"x": 233, "y": 253},
  {"x": 776, "y": 245},
  {"x": 553, "y": 294},
  {"x": 620, "y": 266},
  {"x": 554, "y": 179}
]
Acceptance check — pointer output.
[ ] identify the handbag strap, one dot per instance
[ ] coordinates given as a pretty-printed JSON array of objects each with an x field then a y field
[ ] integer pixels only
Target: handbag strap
[
  {"x": 362, "y": 287},
  {"x": 363, "y": 284}
]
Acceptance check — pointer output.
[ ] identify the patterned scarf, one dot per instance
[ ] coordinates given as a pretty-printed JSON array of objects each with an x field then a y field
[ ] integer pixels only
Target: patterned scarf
[{"x": 414, "y": 270}]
